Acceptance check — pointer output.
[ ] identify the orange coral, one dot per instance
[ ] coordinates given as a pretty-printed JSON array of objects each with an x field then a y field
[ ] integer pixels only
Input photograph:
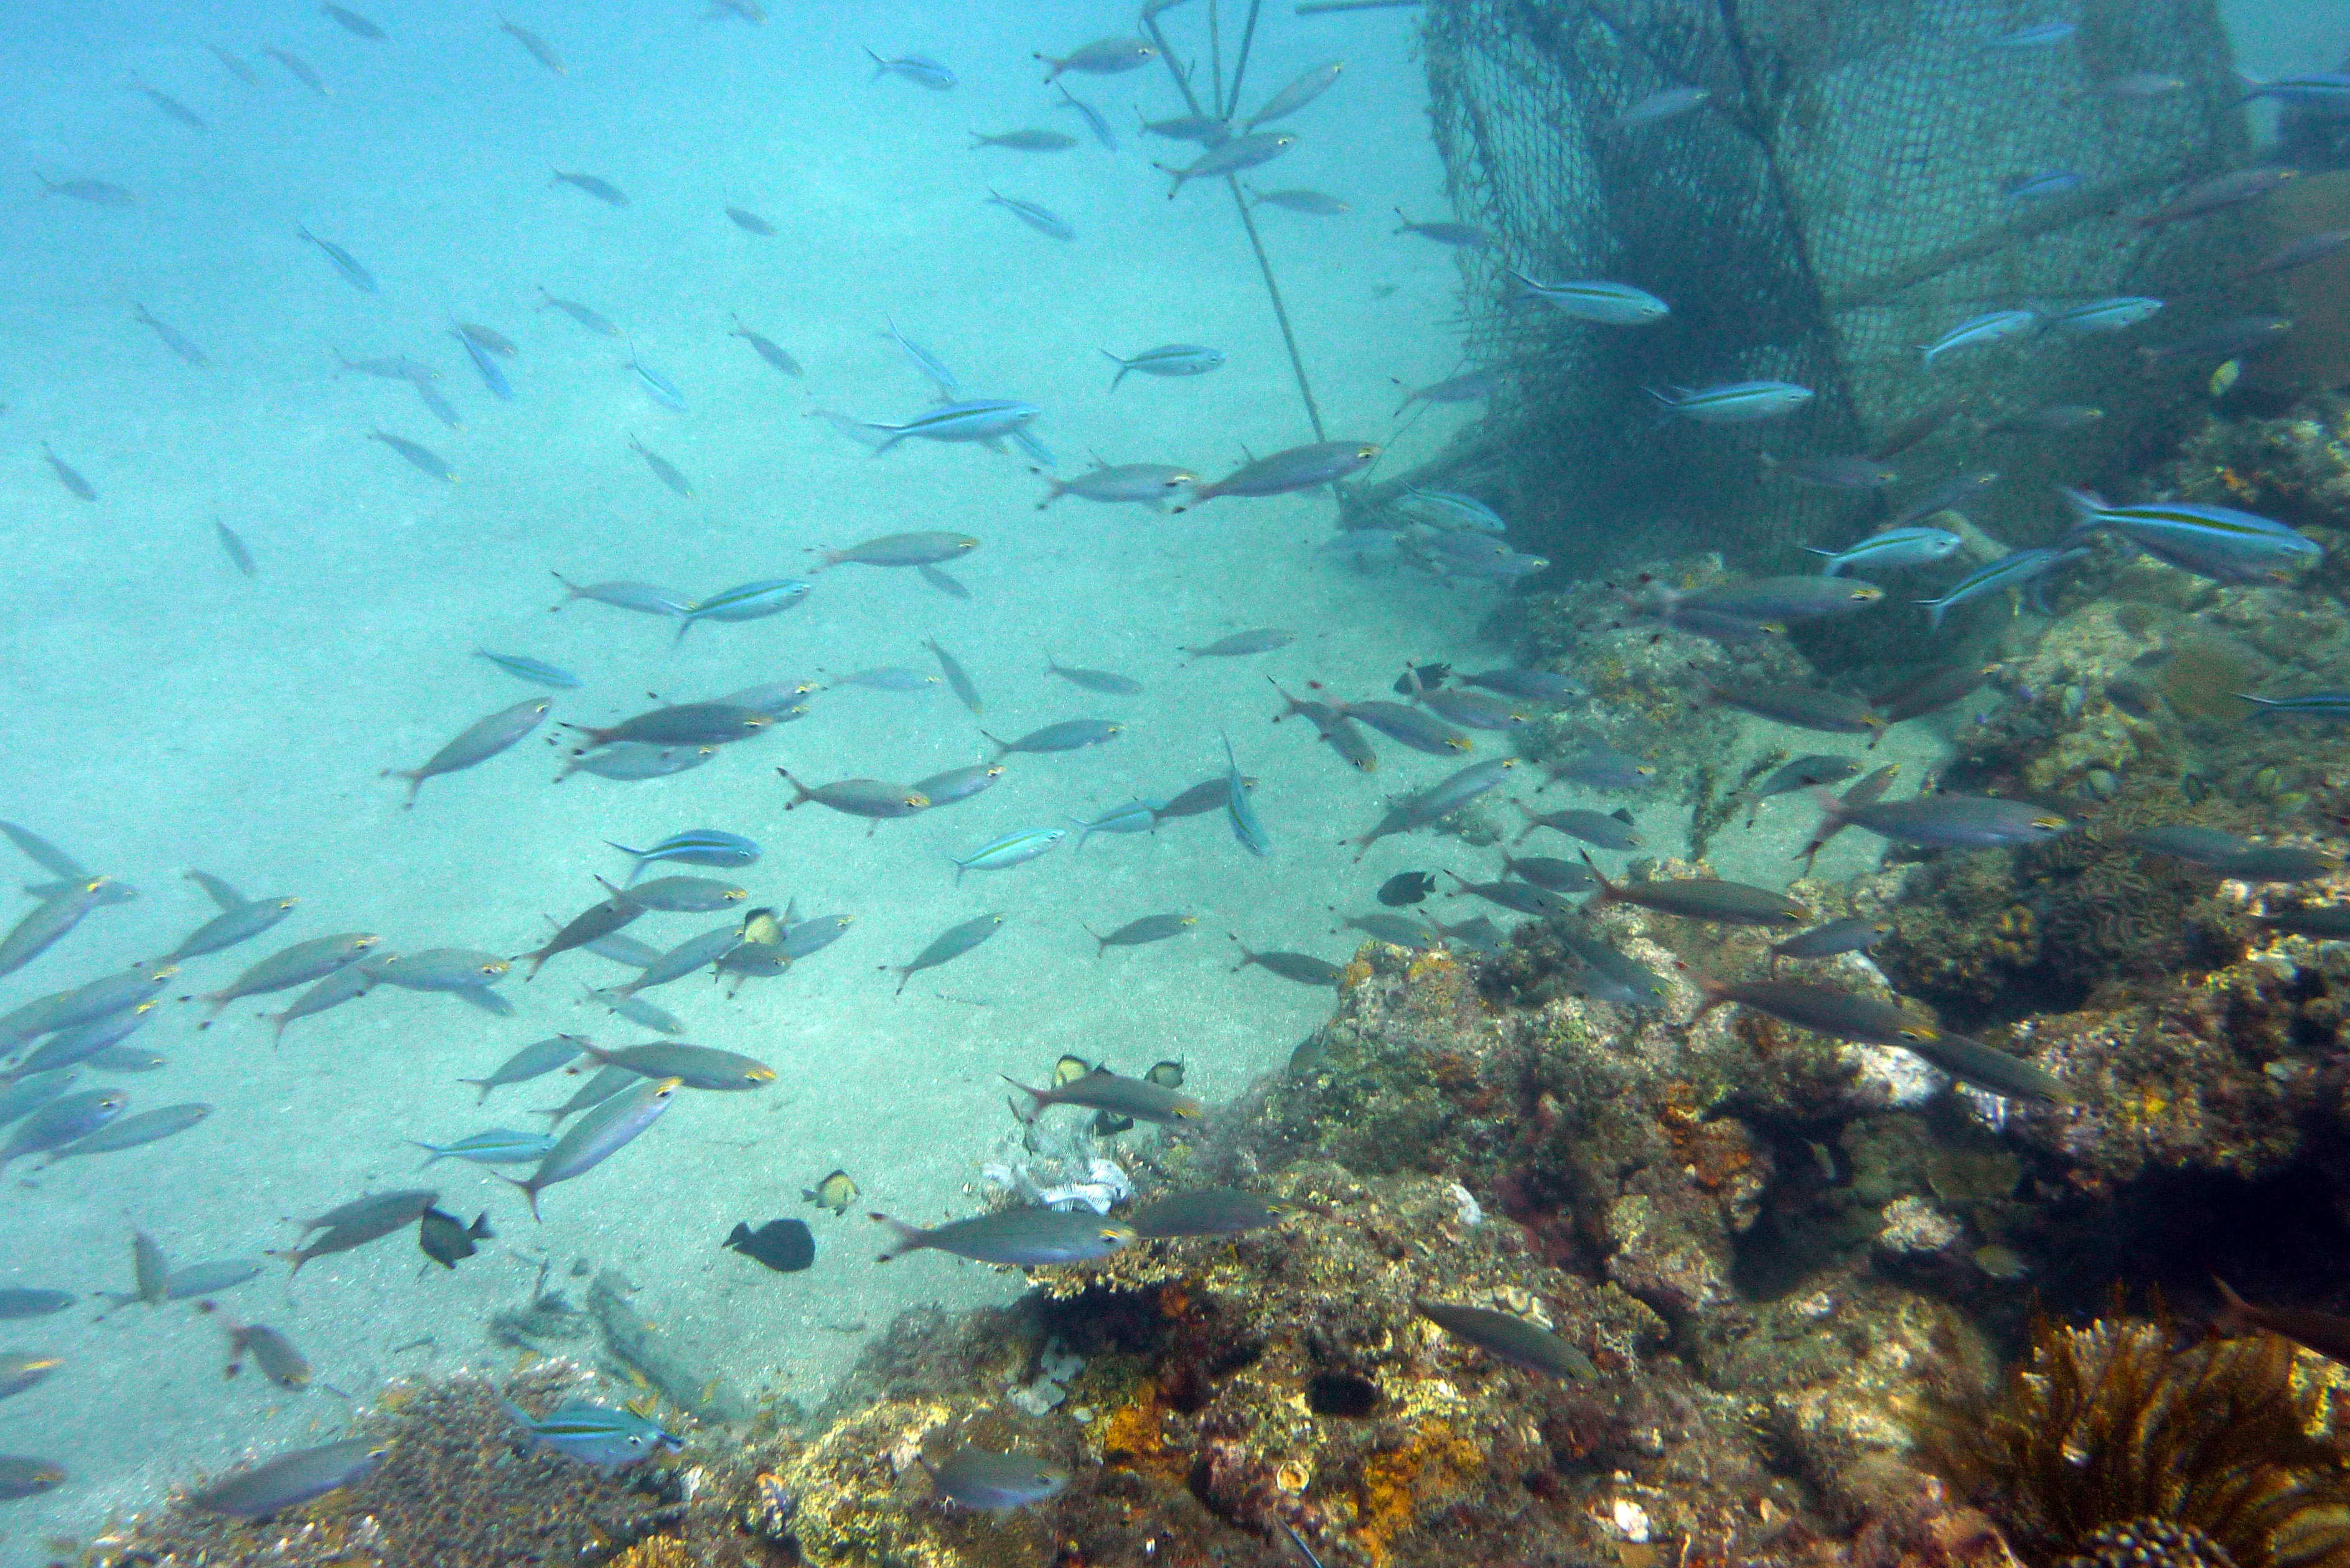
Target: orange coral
[{"x": 1400, "y": 1483}]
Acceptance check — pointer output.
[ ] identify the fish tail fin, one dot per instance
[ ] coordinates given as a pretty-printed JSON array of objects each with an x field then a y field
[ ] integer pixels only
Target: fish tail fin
[
  {"x": 481, "y": 1083},
  {"x": 1039, "y": 1096},
  {"x": 1122, "y": 369},
  {"x": 1609, "y": 891},
  {"x": 909, "y": 1238},
  {"x": 2236, "y": 1315},
  {"x": 526, "y": 1188},
  {"x": 1712, "y": 993},
  {"x": 1003, "y": 748},
  {"x": 431, "y": 1156}
]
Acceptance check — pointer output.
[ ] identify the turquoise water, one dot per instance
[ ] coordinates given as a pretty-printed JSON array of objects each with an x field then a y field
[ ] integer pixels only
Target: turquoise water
[{"x": 164, "y": 712}]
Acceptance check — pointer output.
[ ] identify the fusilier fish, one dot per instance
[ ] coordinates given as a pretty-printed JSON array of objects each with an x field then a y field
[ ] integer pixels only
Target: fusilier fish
[
  {"x": 609, "y": 1439},
  {"x": 1014, "y": 848},
  {"x": 1304, "y": 969},
  {"x": 524, "y": 667},
  {"x": 1102, "y": 58},
  {"x": 1230, "y": 158},
  {"x": 291, "y": 1479},
  {"x": 355, "y": 275},
  {"x": 916, "y": 68},
  {"x": 603, "y": 190},
  {"x": 1168, "y": 359},
  {"x": 1844, "y": 1016},
  {"x": 475, "y": 745},
  {"x": 297, "y": 965},
  {"x": 68, "y": 475},
  {"x": 744, "y": 601},
  {"x": 131, "y": 1132},
  {"x": 602, "y": 1132},
  {"x": 1991, "y": 326},
  {"x": 1023, "y": 1238},
  {"x": 1608, "y": 303},
  {"x": 959, "y": 683},
  {"x": 1068, "y": 735},
  {"x": 1103, "y": 1090},
  {"x": 1151, "y": 485},
  {"x": 1891, "y": 550},
  {"x": 421, "y": 458},
  {"x": 898, "y": 550},
  {"x": 949, "y": 945},
  {"x": 1136, "y": 933},
  {"x": 540, "y": 49},
  {"x": 984, "y": 420},
  {"x": 1041, "y": 218},
  {"x": 767, "y": 349},
  {"x": 690, "y": 1066},
  {"x": 1459, "y": 236},
  {"x": 874, "y": 798},
  {"x": 1732, "y": 402},
  {"x": 682, "y": 724}
]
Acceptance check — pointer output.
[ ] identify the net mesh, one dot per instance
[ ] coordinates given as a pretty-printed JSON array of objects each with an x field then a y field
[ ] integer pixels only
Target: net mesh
[{"x": 1836, "y": 203}]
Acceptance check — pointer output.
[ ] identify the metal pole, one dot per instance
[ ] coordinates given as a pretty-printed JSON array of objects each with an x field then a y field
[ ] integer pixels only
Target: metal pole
[
  {"x": 1256, "y": 243},
  {"x": 1239, "y": 61}
]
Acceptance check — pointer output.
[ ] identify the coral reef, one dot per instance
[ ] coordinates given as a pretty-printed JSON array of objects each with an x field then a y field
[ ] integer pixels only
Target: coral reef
[{"x": 2105, "y": 1433}]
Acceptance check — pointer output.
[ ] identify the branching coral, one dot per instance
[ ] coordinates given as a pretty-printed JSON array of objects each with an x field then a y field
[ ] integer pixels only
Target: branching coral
[{"x": 2105, "y": 1432}]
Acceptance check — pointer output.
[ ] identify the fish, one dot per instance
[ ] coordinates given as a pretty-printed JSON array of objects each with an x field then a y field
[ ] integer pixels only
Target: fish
[
  {"x": 1025, "y": 141},
  {"x": 234, "y": 547},
  {"x": 1393, "y": 930},
  {"x": 236, "y": 66},
  {"x": 1103, "y": 1090},
  {"x": 1608, "y": 303},
  {"x": 656, "y": 386},
  {"x": 21, "y": 1478},
  {"x": 1150, "y": 484},
  {"x": 744, "y": 601},
  {"x": 593, "y": 924},
  {"x": 1068, "y": 735},
  {"x": 67, "y": 475},
  {"x": 1842, "y": 471},
  {"x": 1302, "y": 968},
  {"x": 1139, "y": 816},
  {"x": 48, "y": 922},
  {"x": 1892, "y": 550},
  {"x": 1525, "y": 897},
  {"x": 2231, "y": 340},
  {"x": 1473, "y": 709},
  {"x": 996, "y": 1483},
  {"x": 1042, "y": 219},
  {"x": 2306, "y": 705},
  {"x": 97, "y": 193},
  {"x": 25, "y": 1300},
  {"x": 1609, "y": 830},
  {"x": 20, "y": 1371},
  {"x": 524, "y": 667},
  {"x": 692, "y": 846},
  {"x": 1991, "y": 326},
  {"x": 299, "y": 69},
  {"x": 1022, "y": 1238},
  {"x": 783, "y": 1245},
  {"x": 1228, "y": 158},
  {"x": 984, "y": 420},
  {"x": 1304, "y": 89},
  {"x": 1802, "y": 707},
  {"x": 1422, "y": 732},
  {"x": 874, "y": 798},
  {"x": 348, "y": 984},
  {"x": 2324, "y": 923},
  {"x": 1466, "y": 388},
  {"x": 2278, "y": 863},
  {"x": 1843, "y": 1016},
  {"x": 608, "y": 1127},
  {"x": 592, "y": 320},
  {"x": 474, "y": 744},
  {"x": 647, "y": 599},
  {"x": 421, "y": 458},
  {"x": 2215, "y": 542},
  {"x": 959, "y": 683},
  {"x": 607, "y": 1437},
  {"x": 1206, "y": 129},
  {"x": 534, "y": 1060},
  {"x": 1240, "y": 809},
  {"x": 1702, "y": 899},
  {"x": 355, "y": 275},
  {"x": 44, "y": 854},
  {"x": 1298, "y": 468},
  {"x": 1438, "y": 801},
  {"x": 439, "y": 406},
  {"x": 2034, "y": 187},
  {"x": 540, "y": 49},
  {"x": 2037, "y": 35},
  {"x": 441, "y": 969},
  {"x": 603, "y": 190},
  {"x": 690, "y": 1067},
  {"x": 685, "y": 723},
  {"x": 1014, "y": 848},
  {"x": 1167, "y": 359},
  {"x": 131, "y": 1132},
  {"x": 172, "y": 338},
  {"x": 767, "y": 349},
  {"x": 2236, "y": 188},
  {"x": 1102, "y": 58},
  {"x": 352, "y": 22},
  {"x": 1516, "y": 1340},
  {"x": 62, "y": 1121},
  {"x": 500, "y": 1146},
  {"x": 2017, "y": 570},
  {"x": 1551, "y": 875},
  {"x": 1210, "y": 1212},
  {"x": 958, "y": 784},
  {"x": 1459, "y": 236},
  {"x": 2305, "y": 251},
  {"x": 1664, "y": 104},
  {"x": 31, "y": 1091},
  {"x": 1938, "y": 685},
  {"x": 297, "y": 965},
  {"x": 1101, "y": 681},
  {"x": 449, "y": 1240},
  {"x": 1138, "y": 932},
  {"x": 834, "y": 1193},
  {"x": 1405, "y": 888},
  {"x": 291, "y": 1479},
  {"x": 948, "y": 946},
  {"x": 2322, "y": 1331},
  {"x": 929, "y": 73},
  {"x": 1315, "y": 203},
  {"x": 939, "y": 579},
  {"x": 272, "y": 1353},
  {"x": 494, "y": 377},
  {"x": 2115, "y": 315},
  {"x": 898, "y": 550},
  {"x": 1731, "y": 402},
  {"x": 1940, "y": 821}
]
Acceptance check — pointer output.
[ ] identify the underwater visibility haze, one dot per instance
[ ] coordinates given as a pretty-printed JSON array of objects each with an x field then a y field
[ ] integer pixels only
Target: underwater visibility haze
[{"x": 1341, "y": 782}]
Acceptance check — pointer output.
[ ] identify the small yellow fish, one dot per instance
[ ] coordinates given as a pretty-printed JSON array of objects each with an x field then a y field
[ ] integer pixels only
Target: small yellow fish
[{"x": 2225, "y": 376}]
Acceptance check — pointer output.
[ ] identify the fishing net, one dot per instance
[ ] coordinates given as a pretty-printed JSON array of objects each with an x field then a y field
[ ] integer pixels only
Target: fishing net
[{"x": 1839, "y": 201}]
